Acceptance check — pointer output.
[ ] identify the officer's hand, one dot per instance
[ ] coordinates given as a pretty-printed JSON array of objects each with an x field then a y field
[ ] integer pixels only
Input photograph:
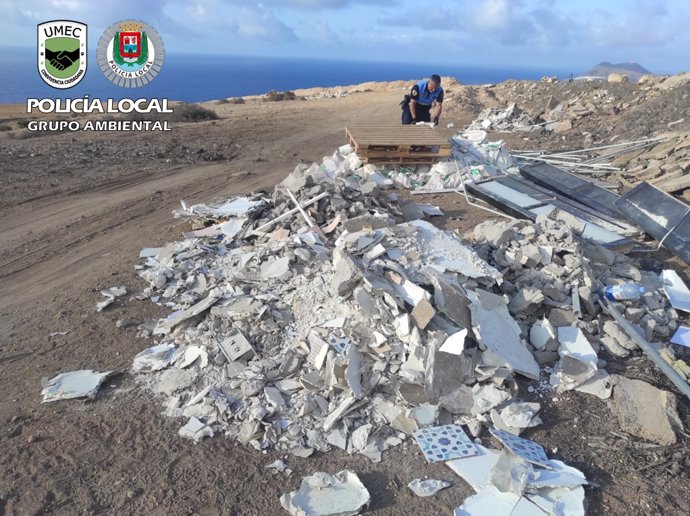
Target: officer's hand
[{"x": 436, "y": 120}]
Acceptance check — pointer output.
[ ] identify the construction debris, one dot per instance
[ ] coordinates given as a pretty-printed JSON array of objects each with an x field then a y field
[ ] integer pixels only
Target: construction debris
[
  {"x": 75, "y": 384},
  {"x": 645, "y": 411},
  {"x": 321, "y": 494},
  {"x": 334, "y": 316},
  {"x": 430, "y": 487},
  {"x": 110, "y": 295},
  {"x": 503, "y": 120},
  {"x": 519, "y": 480}
]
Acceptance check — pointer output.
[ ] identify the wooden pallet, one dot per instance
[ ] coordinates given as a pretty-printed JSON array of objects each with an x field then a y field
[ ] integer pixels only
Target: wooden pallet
[{"x": 405, "y": 144}]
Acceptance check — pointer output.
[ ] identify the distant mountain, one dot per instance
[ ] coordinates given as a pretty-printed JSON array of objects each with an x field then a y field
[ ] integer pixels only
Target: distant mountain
[{"x": 633, "y": 70}]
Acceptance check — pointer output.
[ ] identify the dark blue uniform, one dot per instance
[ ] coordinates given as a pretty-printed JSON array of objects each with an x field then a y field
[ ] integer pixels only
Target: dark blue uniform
[{"x": 424, "y": 98}]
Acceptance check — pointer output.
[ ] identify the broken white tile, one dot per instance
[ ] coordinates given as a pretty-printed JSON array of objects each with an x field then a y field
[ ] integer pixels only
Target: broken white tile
[
  {"x": 429, "y": 487},
  {"x": 476, "y": 470},
  {"x": 560, "y": 501},
  {"x": 195, "y": 430},
  {"x": 321, "y": 494},
  {"x": 511, "y": 473},
  {"x": 574, "y": 344},
  {"x": 486, "y": 397},
  {"x": 676, "y": 290},
  {"x": 189, "y": 355},
  {"x": 455, "y": 344},
  {"x": 425, "y": 414},
  {"x": 499, "y": 335},
  {"x": 517, "y": 416},
  {"x": 681, "y": 337},
  {"x": 559, "y": 474},
  {"x": 83, "y": 383},
  {"x": 491, "y": 501},
  {"x": 110, "y": 295},
  {"x": 154, "y": 358},
  {"x": 338, "y": 437}
]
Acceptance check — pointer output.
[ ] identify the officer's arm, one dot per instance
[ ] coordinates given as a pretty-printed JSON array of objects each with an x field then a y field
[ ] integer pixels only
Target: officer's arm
[
  {"x": 414, "y": 93},
  {"x": 439, "y": 101}
]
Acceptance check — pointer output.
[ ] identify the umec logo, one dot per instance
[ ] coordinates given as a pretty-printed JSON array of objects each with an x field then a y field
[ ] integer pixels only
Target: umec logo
[{"x": 61, "y": 52}]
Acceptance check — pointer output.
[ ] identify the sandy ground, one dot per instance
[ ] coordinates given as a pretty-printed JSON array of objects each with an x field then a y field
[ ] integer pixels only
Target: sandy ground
[{"x": 64, "y": 237}]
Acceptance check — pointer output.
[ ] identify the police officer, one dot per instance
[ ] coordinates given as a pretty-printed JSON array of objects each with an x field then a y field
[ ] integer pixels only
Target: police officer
[{"x": 422, "y": 96}]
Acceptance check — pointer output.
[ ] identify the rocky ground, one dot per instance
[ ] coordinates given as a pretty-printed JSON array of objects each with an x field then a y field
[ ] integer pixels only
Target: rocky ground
[{"x": 77, "y": 209}]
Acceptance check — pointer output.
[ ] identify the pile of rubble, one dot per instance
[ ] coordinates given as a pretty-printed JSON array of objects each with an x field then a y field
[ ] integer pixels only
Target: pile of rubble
[
  {"x": 503, "y": 120},
  {"x": 666, "y": 165},
  {"x": 663, "y": 161},
  {"x": 333, "y": 315},
  {"x": 588, "y": 112}
]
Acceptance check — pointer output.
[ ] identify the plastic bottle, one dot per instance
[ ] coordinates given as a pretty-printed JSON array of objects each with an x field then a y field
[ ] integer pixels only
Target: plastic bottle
[{"x": 625, "y": 292}]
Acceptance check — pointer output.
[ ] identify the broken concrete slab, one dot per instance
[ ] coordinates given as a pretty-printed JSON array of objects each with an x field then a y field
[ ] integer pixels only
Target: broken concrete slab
[
  {"x": 321, "y": 494},
  {"x": 645, "y": 411},
  {"x": 83, "y": 383}
]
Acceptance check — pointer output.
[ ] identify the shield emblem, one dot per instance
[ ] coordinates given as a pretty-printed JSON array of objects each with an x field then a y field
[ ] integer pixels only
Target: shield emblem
[
  {"x": 61, "y": 53},
  {"x": 130, "y": 44}
]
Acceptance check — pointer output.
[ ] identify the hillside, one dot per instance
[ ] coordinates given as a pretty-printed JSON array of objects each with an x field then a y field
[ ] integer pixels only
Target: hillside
[{"x": 633, "y": 70}]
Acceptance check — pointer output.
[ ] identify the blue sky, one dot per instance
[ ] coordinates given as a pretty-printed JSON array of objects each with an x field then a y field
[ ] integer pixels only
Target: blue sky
[{"x": 564, "y": 34}]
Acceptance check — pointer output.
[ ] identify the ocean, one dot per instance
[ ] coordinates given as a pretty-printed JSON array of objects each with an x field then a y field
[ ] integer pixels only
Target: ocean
[{"x": 197, "y": 78}]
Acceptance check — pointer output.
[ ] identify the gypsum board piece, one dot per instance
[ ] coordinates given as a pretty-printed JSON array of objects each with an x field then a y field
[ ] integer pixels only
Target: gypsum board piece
[{"x": 648, "y": 349}]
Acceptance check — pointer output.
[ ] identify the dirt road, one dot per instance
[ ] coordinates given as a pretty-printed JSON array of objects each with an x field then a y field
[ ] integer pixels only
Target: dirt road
[{"x": 72, "y": 225}]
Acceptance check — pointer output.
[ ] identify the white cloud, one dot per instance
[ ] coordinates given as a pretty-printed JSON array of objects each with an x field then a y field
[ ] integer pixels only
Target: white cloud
[{"x": 494, "y": 14}]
